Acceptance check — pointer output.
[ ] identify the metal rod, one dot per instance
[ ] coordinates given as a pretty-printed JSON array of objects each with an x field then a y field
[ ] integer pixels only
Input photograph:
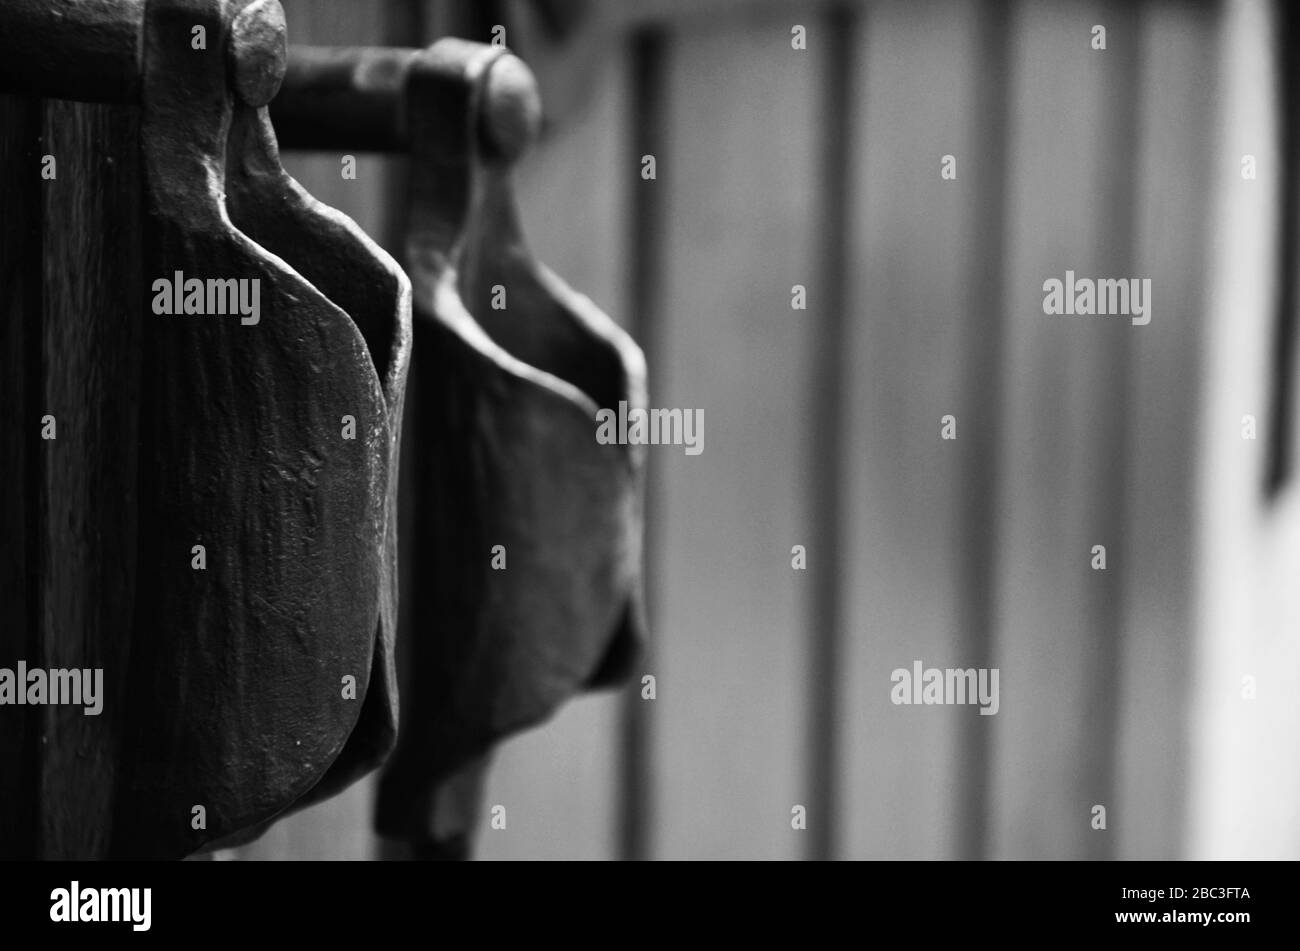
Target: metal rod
[
  {"x": 827, "y": 465},
  {"x": 91, "y": 50},
  {"x": 981, "y": 526},
  {"x": 344, "y": 97},
  {"x": 359, "y": 98},
  {"x": 647, "y": 130},
  {"x": 88, "y": 50}
]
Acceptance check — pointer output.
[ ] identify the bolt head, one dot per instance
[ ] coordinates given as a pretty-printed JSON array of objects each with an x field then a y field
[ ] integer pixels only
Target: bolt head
[{"x": 258, "y": 51}]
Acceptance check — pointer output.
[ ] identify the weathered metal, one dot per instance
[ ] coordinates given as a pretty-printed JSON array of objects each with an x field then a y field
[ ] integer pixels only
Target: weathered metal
[
  {"x": 93, "y": 50},
  {"x": 267, "y": 436},
  {"x": 247, "y": 452},
  {"x": 234, "y": 696},
  {"x": 364, "y": 283},
  {"x": 506, "y": 455},
  {"x": 500, "y": 427},
  {"x": 344, "y": 97},
  {"x": 357, "y": 98},
  {"x": 86, "y": 50}
]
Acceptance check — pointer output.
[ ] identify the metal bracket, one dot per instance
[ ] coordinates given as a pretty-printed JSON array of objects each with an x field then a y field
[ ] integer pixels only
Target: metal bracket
[
  {"x": 233, "y": 699},
  {"x": 500, "y": 428}
]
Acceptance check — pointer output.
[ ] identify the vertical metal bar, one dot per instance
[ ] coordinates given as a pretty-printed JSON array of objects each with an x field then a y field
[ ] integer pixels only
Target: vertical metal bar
[
  {"x": 826, "y": 478},
  {"x": 646, "y": 134},
  {"x": 983, "y": 388}
]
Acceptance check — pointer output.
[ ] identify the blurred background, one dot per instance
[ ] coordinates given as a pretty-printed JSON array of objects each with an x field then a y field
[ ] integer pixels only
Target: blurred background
[{"x": 1164, "y": 687}]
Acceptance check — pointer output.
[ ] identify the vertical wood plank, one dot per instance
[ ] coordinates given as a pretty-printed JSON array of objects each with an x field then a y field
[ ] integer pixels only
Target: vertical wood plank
[
  {"x": 20, "y": 451},
  {"x": 72, "y": 284},
  {"x": 90, "y": 340},
  {"x": 738, "y": 170}
]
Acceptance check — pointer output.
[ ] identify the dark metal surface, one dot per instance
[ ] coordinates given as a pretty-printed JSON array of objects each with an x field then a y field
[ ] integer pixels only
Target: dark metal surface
[
  {"x": 342, "y": 263},
  {"x": 231, "y": 698},
  {"x": 236, "y": 699},
  {"x": 502, "y": 431},
  {"x": 345, "y": 98},
  {"x": 500, "y": 428},
  {"x": 223, "y": 686},
  {"x": 357, "y": 98},
  {"x": 92, "y": 50},
  {"x": 87, "y": 50}
]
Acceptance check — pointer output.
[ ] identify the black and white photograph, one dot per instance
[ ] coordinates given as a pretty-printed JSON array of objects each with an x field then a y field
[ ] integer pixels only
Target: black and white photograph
[{"x": 671, "y": 431}]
